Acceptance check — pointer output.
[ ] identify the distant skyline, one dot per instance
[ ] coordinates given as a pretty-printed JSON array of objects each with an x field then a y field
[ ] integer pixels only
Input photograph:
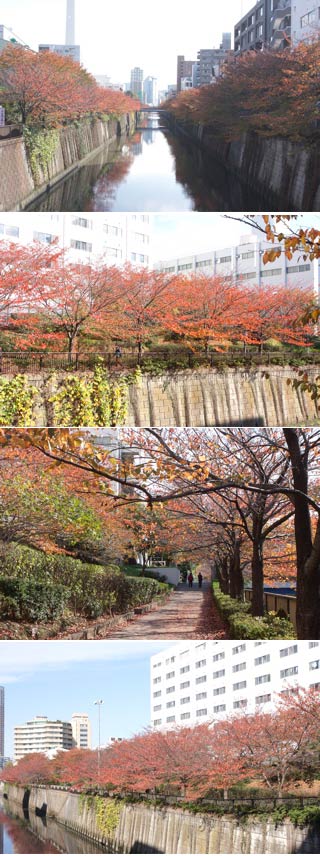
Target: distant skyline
[
  {"x": 105, "y": 32},
  {"x": 57, "y": 679}
]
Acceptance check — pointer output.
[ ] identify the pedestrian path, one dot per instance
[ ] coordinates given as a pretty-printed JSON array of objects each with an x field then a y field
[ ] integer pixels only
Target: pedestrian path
[{"x": 187, "y": 614}]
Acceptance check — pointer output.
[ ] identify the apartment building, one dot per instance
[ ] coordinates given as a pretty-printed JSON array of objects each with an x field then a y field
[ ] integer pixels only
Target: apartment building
[
  {"x": 81, "y": 730},
  {"x": 196, "y": 681},
  {"x": 184, "y": 69},
  {"x": 41, "y": 734},
  {"x": 244, "y": 262},
  {"x": 305, "y": 20},
  {"x": 116, "y": 238},
  {"x": 266, "y": 25}
]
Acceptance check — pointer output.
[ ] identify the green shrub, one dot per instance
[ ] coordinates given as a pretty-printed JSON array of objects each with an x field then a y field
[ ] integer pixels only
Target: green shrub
[
  {"x": 243, "y": 625},
  {"x": 29, "y": 600}
]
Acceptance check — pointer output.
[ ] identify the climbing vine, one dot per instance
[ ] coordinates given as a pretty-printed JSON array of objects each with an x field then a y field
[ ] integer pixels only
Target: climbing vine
[
  {"x": 95, "y": 402},
  {"x": 41, "y": 145},
  {"x": 16, "y": 401},
  {"x": 107, "y": 812}
]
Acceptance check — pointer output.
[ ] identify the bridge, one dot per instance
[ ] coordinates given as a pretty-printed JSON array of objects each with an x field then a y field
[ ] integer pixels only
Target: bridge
[{"x": 151, "y": 110}]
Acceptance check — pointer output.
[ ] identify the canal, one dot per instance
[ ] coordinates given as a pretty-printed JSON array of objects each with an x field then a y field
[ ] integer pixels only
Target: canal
[
  {"x": 31, "y": 834},
  {"x": 150, "y": 171}
]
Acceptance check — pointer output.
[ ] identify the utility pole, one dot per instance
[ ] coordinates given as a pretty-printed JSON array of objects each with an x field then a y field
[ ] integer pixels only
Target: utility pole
[{"x": 99, "y": 703}]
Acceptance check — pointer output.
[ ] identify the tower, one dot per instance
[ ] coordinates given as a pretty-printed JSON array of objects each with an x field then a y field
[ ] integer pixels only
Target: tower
[{"x": 70, "y": 34}]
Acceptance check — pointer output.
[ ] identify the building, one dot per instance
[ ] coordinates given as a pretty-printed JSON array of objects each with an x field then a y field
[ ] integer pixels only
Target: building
[
  {"x": 196, "y": 681},
  {"x": 81, "y": 730},
  {"x": 267, "y": 24},
  {"x": 72, "y": 51},
  {"x": 117, "y": 238},
  {"x": 150, "y": 93},
  {"x": 184, "y": 69},
  {"x": 244, "y": 262},
  {"x": 136, "y": 82},
  {"x": 7, "y": 38},
  {"x": 186, "y": 83},
  {"x": 305, "y": 20},
  {"x": 2, "y": 713},
  {"x": 42, "y": 735}
]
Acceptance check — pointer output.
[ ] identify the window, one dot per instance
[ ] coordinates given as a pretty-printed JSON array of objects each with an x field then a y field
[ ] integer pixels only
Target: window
[
  {"x": 185, "y": 685},
  {"x": 204, "y": 263},
  {"x": 292, "y": 649},
  {"x": 249, "y": 255},
  {"x": 156, "y": 680},
  {"x": 82, "y": 221},
  {"x": 157, "y": 707},
  {"x": 171, "y": 719},
  {"x": 239, "y": 648},
  {"x": 223, "y": 260},
  {"x": 219, "y": 674},
  {"x": 157, "y": 721},
  {"x": 201, "y": 680},
  {"x": 185, "y": 716},
  {"x": 241, "y": 702},
  {"x": 169, "y": 269},
  {"x": 263, "y": 699},
  {"x": 219, "y": 691},
  {"x": 314, "y": 665},
  {"x": 240, "y": 685},
  {"x": 262, "y": 679},
  {"x": 170, "y": 704},
  {"x": 184, "y": 669},
  {"x": 185, "y": 700},
  {"x": 219, "y": 708},
  {"x": 169, "y": 675},
  {"x": 264, "y": 659},
  {"x": 239, "y": 667},
  {"x": 286, "y": 673},
  {"x": 313, "y": 644},
  {"x": 297, "y": 268},
  {"x": 219, "y": 656},
  {"x": 309, "y": 18},
  {"x": 250, "y": 275},
  {"x": 273, "y": 272},
  {"x": 185, "y": 267},
  {"x": 81, "y": 245},
  {"x": 315, "y": 686},
  {"x": 201, "y": 712},
  {"x": 13, "y": 231},
  {"x": 200, "y": 663},
  {"x": 170, "y": 660},
  {"x": 170, "y": 689},
  {"x": 200, "y": 695},
  {"x": 43, "y": 237},
  {"x": 157, "y": 694}
]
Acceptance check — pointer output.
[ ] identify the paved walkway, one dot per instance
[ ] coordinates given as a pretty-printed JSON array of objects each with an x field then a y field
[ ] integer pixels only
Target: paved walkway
[{"x": 188, "y": 613}]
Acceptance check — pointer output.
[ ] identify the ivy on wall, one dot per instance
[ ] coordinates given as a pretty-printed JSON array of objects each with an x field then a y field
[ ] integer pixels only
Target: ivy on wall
[
  {"x": 91, "y": 402},
  {"x": 107, "y": 812},
  {"x": 16, "y": 401},
  {"x": 41, "y": 145}
]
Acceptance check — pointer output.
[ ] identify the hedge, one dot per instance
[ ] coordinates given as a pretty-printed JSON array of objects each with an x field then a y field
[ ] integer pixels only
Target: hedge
[
  {"x": 243, "y": 625},
  {"x": 30, "y": 600}
]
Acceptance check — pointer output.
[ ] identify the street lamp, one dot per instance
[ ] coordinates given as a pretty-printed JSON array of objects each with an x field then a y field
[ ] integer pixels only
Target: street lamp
[{"x": 99, "y": 703}]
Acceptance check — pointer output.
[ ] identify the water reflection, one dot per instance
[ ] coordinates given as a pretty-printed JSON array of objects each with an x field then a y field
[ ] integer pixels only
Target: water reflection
[
  {"x": 151, "y": 171},
  {"x": 40, "y": 835}
]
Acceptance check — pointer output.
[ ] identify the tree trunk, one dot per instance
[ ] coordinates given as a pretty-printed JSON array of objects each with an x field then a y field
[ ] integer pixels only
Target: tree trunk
[
  {"x": 308, "y": 553},
  {"x": 235, "y": 573},
  {"x": 257, "y": 579}
]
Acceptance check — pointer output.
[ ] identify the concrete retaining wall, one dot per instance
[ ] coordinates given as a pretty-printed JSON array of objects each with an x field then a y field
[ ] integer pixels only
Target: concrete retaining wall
[
  {"x": 203, "y": 397},
  {"x": 18, "y": 187},
  {"x": 141, "y": 829},
  {"x": 278, "y": 169}
]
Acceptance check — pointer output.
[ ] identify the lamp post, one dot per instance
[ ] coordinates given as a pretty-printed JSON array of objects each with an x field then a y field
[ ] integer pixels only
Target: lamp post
[{"x": 99, "y": 703}]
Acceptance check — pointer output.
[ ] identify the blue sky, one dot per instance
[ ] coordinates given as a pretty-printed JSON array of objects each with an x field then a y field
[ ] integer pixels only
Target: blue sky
[
  {"x": 60, "y": 678},
  {"x": 114, "y": 37}
]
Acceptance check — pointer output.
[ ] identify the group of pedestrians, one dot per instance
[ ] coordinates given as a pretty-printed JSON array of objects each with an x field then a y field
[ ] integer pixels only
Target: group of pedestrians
[{"x": 191, "y": 579}]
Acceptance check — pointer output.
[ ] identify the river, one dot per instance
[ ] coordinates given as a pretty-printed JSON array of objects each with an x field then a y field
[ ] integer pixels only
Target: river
[
  {"x": 40, "y": 835},
  {"x": 150, "y": 171}
]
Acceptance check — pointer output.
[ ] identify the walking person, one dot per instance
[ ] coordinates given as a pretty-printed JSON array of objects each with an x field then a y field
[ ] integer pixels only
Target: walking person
[
  {"x": 200, "y": 578},
  {"x": 190, "y": 579}
]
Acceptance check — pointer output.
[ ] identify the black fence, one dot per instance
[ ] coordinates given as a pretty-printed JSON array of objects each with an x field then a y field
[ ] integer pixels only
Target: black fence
[{"x": 12, "y": 362}]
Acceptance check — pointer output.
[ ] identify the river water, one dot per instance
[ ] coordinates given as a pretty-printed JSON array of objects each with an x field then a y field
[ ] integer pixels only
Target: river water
[
  {"x": 40, "y": 835},
  {"x": 151, "y": 171}
]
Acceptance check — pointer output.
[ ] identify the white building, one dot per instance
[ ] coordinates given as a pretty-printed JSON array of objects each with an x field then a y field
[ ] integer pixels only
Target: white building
[
  {"x": 186, "y": 83},
  {"x": 63, "y": 50},
  {"x": 150, "y": 91},
  {"x": 41, "y": 735},
  {"x": 81, "y": 730},
  {"x": 245, "y": 262},
  {"x": 197, "y": 681},
  {"x": 119, "y": 238},
  {"x": 305, "y": 20}
]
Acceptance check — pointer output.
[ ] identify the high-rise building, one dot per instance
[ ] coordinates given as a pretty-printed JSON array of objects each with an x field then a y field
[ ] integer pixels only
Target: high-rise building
[
  {"x": 81, "y": 730},
  {"x": 41, "y": 735},
  {"x": 192, "y": 682},
  {"x": 70, "y": 23},
  {"x": 305, "y": 20},
  {"x": 184, "y": 69},
  {"x": 266, "y": 25},
  {"x": 244, "y": 262},
  {"x": 2, "y": 712},
  {"x": 117, "y": 238},
  {"x": 150, "y": 95},
  {"x": 136, "y": 82}
]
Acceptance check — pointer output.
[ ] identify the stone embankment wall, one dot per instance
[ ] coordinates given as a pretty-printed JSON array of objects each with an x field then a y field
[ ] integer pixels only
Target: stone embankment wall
[
  {"x": 75, "y": 145},
  {"x": 203, "y": 397},
  {"x": 142, "y": 829},
  {"x": 277, "y": 168}
]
